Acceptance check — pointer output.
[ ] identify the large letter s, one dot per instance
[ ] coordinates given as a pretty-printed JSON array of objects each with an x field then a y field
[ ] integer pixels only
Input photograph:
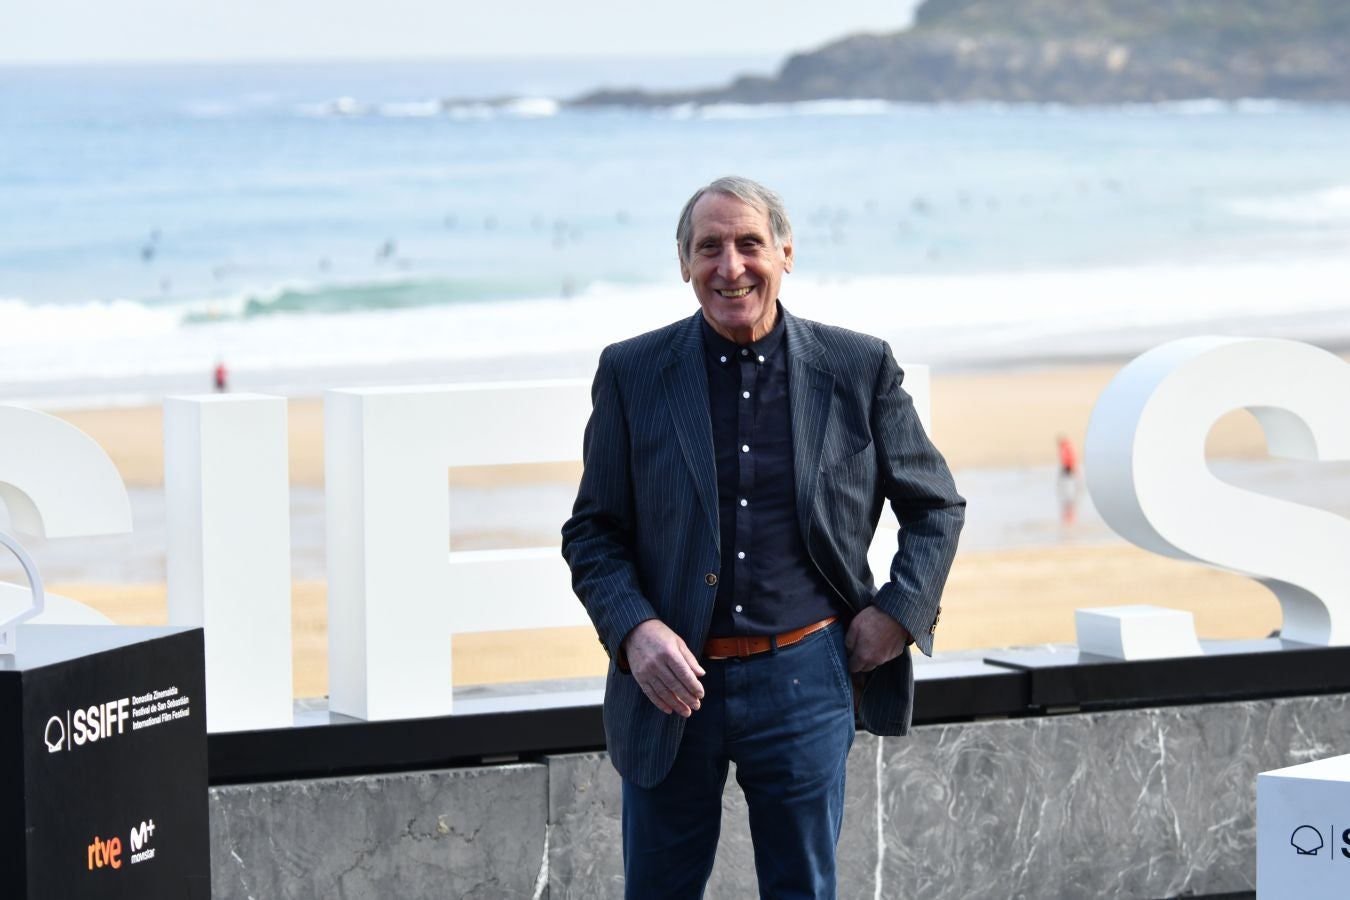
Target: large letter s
[{"x": 1146, "y": 469}]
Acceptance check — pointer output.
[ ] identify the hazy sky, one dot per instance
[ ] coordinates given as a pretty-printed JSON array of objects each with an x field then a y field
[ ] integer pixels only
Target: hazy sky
[{"x": 165, "y": 30}]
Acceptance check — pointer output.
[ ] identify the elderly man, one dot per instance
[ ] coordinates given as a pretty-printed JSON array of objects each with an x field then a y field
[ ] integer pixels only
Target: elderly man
[{"x": 736, "y": 463}]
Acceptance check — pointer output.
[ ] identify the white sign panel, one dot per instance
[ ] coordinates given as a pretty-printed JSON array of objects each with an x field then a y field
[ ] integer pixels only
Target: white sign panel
[
  {"x": 395, "y": 594},
  {"x": 1303, "y": 831}
]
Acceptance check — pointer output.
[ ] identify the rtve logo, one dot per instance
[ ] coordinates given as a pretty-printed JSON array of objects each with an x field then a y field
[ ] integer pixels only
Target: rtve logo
[
  {"x": 105, "y": 853},
  {"x": 108, "y": 854},
  {"x": 86, "y": 726}
]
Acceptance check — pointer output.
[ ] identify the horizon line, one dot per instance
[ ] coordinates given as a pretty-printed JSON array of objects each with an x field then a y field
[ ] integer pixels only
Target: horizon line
[{"x": 385, "y": 60}]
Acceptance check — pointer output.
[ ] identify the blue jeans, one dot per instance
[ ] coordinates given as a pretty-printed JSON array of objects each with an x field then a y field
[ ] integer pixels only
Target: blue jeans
[{"x": 786, "y": 719}]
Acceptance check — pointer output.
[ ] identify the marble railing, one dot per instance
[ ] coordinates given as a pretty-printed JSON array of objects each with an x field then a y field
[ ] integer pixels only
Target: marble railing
[{"x": 1145, "y": 802}]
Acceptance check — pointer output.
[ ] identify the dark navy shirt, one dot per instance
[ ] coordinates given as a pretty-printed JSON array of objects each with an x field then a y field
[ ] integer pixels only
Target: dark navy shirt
[{"x": 768, "y": 583}]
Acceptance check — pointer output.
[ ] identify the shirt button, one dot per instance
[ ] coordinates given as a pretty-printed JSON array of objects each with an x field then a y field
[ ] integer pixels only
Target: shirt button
[
  {"x": 745, "y": 394},
  {"x": 738, "y": 607},
  {"x": 744, "y": 502},
  {"x": 761, "y": 359},
  {"x": 724, "y": 359},
  {"x": 740, "y": 554},
  {"x": 745, "y": 448},
  {"x": 744, "y": 352},
  {"x": 710, "y": 578}
]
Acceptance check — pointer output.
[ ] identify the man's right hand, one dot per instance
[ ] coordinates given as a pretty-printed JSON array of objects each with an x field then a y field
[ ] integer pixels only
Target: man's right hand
[{"x": 664, "y": 668}]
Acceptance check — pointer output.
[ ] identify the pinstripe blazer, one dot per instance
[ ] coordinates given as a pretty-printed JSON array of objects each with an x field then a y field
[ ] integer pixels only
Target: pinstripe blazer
[{"x": 643, "y": 539}]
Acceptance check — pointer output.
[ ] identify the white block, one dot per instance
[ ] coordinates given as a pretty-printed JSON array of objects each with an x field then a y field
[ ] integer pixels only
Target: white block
[
  {"x": 1136, "y": 632},
  {"x": 528, "y": 587},
  {"x": 227, "y": 512},
  {"x": 393, "y": 602},
  {"x": 1303, "y": 831}
]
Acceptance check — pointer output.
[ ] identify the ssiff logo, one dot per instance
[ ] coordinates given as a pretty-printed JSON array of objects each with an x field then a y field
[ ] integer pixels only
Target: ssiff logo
[
  {"x": 55, "y": 735},
  {"x": 86, "y": 726},
  {"x": 1307, "y": 841}
]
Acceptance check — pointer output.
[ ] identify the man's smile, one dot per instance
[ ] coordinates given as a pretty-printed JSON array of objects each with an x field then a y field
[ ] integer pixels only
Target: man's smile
[{"x": 731, "y": 294}]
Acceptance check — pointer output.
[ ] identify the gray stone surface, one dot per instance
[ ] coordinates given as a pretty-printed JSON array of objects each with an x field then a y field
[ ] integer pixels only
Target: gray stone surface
[
  {"x": 1134, "y": 804},
  {"x": 1144, "y": 804},
  {"x": 463, "y": 833},
  {"x": 585, "y": 858},
  {"x": 584, "y": 855}
]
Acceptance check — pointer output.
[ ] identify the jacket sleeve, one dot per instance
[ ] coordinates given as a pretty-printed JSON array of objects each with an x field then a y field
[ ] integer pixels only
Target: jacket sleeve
[
  {"x": 598, "y": 540},
  {"x": 918, "y": 484}
]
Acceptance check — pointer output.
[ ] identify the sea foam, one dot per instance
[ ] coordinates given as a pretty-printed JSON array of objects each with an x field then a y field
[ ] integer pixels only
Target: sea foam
[{"x": 947, "y": 320}]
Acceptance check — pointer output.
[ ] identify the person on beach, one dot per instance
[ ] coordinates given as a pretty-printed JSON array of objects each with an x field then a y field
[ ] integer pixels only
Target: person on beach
[
  {"x": 222, "y": 377},
  {"x": 736, "y": 463},
  {"x": 1066, "y": 486}
]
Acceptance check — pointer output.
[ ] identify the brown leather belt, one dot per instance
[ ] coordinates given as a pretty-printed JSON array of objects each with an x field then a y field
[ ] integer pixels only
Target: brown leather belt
[{"x": 749, "y": 645}]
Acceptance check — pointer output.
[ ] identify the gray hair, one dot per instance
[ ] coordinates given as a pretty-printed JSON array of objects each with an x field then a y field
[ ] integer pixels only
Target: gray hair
[{"x": 751, "y": 193}]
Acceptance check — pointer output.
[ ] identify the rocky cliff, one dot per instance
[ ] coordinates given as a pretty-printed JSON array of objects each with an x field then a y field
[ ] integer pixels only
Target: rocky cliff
[{"x": 1065, "y": 51}]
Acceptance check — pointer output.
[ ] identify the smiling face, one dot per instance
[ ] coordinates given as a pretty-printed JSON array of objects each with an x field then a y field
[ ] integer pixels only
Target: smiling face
[{"x": 734, "y": 267}]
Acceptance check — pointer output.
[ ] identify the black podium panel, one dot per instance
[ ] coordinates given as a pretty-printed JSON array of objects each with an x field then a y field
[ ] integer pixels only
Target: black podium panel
[{"x": 103, "y": 764}]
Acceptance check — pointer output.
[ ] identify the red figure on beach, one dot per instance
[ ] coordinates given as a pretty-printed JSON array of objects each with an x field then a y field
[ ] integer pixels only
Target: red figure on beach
[
  {"x": 222, "y": 378},
  {"x": 1067, "y": 485},
  {"x": 1068, "y": 458}
]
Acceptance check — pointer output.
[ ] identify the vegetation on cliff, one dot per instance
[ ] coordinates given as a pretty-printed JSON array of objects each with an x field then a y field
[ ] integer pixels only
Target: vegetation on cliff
[{"x": 1065, "y": 51}]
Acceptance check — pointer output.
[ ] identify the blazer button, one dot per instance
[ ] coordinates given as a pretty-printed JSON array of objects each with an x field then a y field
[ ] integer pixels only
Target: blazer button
[{"x": 711, "y": 578}]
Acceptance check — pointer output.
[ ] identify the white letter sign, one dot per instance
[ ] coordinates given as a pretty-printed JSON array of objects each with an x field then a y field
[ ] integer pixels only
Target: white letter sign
[
  {"x": 1146, "y": 469},
  {"x": 227, "y": 508},
  {"x": 395, "y": 593},
  {"x": 55, "y": 482}
]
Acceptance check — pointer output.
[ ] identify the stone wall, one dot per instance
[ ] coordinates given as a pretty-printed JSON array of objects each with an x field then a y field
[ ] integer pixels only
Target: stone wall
[{"x": 1144, "y": 803}]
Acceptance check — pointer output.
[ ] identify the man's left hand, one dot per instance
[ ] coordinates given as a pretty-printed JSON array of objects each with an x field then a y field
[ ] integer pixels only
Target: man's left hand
[{"x": 874, "y": 638}]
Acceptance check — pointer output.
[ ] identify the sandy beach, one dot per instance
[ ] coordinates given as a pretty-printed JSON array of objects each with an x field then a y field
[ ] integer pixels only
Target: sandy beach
[
  {"x": 1006, "y": 419},
  {"x": 993, "y": 419}
]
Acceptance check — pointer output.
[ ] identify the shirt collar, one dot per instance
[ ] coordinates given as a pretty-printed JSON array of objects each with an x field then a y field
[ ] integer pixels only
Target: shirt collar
[{"x": 722, "y": 351}]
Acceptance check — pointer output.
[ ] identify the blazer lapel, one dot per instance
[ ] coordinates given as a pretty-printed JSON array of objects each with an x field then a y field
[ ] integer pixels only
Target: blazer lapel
[
  {"x": 686, "y": 386},
  {"x": 810, "y": 392}
]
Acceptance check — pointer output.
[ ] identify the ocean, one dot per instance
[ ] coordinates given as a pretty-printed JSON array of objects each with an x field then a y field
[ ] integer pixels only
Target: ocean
[{"x": 327, "y": 225}]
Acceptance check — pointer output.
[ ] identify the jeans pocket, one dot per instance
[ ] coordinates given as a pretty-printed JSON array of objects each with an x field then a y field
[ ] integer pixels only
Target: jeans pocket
[{"x": 834, "y": 646}]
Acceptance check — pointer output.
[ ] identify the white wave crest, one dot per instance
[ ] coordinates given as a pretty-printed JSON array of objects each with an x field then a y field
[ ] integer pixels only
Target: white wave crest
[
  {"x": 531, "y": 107},
  {"x": 519, "y": 107},
  {"x": 943, "y": 319},
  {"x": 350, "y": 107},
  {"x": 807, "y": 108},
  {"x": 410, "y": 109},
  {"x": 339, "y": 107},
  {"x": 44, "y": 325},
  {"x": 1329, "y": 208}
]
